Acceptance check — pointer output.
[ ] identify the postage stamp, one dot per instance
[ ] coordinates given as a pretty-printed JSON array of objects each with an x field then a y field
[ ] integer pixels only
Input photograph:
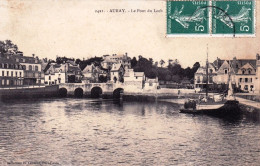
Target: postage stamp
[
  {"x": 187, "y": 17},
  {"x": 210, "y": 18},
  {"x": 233, "y": 17}
]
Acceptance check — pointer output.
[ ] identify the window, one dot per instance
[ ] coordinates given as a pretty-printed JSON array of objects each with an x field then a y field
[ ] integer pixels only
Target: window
[
  {"x": 246, "y": 87},
  {"x": 211, "y": 71},
  {"x": 49, "y": 77},
  {"x": 30, "y": 67},
  {"x": 198, "y": 79},
  {"x": 251, "y": 79},
  {"x": 7, "y": 82},
  {"x": 246, "y": 79},
  {"x": 17, "y": 60},
  {"x": 211, "y": 79},
  {"x": 12, "y": 73},
  {"x": 136, "y": 77},
  {"x": 3, "y": 73},
  {"x": 5, "y": 65},
  {"x": 20, "y": 74},
  {"x": 36, "y": 68},
  {"x": 249, "y": 71},
  {"x": 3, "y": 82},
  {"x": 16, "y": 74},
  {"x": 243, "y": 71},
  {"x": 226, "y": 71},
  {"x": 1, "y": 65},
  {"x": 33, "y": 74},
  {"x": 7, "y": 73}
]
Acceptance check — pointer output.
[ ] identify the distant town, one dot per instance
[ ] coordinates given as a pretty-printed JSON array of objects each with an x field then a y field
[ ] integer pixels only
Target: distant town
[{"x": 17, "y": 70}]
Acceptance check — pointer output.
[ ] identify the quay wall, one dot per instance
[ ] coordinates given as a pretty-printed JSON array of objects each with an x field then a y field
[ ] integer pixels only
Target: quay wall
[
  {"x": 253, "y": 97},
  {"x": 33, "y": 92}
]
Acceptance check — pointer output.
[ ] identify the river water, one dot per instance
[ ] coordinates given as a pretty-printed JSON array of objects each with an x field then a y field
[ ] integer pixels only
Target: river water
[{"x": 102, "y": 132}]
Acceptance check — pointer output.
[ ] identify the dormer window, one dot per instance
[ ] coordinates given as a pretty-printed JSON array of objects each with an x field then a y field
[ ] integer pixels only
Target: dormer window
[
  {"x": 249, "y": 71},
  {"x": 243, "y": 71},
  {"x": 226, "y": 71}
]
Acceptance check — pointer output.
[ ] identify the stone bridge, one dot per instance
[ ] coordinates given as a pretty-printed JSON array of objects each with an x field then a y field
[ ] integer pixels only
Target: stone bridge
[{"x": 94, "y": 90}]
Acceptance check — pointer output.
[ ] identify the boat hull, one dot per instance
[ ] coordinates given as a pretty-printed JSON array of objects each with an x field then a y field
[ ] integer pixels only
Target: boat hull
[{"x": 230, "y": 107}]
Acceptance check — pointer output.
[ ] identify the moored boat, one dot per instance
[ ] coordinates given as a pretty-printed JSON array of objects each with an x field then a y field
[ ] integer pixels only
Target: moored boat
[{"x": 216, "y": 105}]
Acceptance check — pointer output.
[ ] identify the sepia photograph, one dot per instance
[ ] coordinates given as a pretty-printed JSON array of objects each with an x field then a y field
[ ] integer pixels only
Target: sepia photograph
[{"x": 129, "y": 82}]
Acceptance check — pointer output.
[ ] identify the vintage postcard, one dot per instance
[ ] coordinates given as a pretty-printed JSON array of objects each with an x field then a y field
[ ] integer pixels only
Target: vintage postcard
[{"x": 129, "y": 82}]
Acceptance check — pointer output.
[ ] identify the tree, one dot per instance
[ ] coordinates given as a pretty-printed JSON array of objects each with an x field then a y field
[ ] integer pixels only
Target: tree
[
  {"x": 162, "y": 62},
  {"x": 102, "y": 78},
  {"x": 170, "y": 62},
  {"x": 133, "y": 62},
  {"x": 151, "y": 60},
  {"x": 156, "y": 64},
  {"x": 195, "y": 67}
]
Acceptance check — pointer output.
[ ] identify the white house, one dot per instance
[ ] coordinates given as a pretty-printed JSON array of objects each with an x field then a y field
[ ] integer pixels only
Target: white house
[
  {"x": 117, "y": 73},
  {"x": 151, "y": 84},
  {"x": 134, "y": 79},
  {"x": 56, "y": 74}
]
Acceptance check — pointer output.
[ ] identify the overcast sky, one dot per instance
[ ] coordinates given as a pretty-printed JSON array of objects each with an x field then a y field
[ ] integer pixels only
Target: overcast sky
[{"x": 73, "y": 29}]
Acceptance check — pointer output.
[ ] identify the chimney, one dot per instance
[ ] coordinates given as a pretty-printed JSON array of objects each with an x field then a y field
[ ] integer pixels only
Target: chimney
[{"x": 33, "y": 55}]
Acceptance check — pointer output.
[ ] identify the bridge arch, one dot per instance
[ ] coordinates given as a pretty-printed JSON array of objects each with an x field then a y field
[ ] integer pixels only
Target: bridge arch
[
  {"x": 78, "y": 92},
  {"x": 63, "y": 92},
  {"x": 96, "y": 92},
  {"x": 117, "y": 93}
]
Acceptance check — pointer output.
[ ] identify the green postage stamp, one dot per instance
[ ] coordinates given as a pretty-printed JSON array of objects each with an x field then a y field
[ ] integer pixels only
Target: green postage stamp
[{"x": 234, "y": 18}]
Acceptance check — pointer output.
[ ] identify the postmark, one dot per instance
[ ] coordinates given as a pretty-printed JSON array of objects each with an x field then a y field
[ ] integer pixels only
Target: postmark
[
  {"x": 212, "y": 18},
  {"x": 187, "y": 17},
  {"x": 237, "y": 17}
]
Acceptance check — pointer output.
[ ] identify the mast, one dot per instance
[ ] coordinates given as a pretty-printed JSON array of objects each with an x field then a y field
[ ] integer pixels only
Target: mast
[
  {"x": 230, "y": 94},
  {"x": 207, "y": 73}
]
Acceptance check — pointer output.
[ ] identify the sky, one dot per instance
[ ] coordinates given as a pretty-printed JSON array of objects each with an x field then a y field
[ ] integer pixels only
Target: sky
[{"x": 74, "y": 29}]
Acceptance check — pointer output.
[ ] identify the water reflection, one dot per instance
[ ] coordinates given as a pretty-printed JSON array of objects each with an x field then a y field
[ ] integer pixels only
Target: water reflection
[{"x": 106, "y": 132}]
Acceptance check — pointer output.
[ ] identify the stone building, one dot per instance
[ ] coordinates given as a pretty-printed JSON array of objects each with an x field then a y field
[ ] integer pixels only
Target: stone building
[
  {"x": 134, "y": 79},
  {"x": 109, "y": 60},
  {"x": 55, "y": 74},
  {"x": 117, "y": 73},
  {"x": 33, "y": 72},
  {"x": 243, "y": 74},
  {"x": 92, "y": 74},
  {"x": 11, "y": 72}
]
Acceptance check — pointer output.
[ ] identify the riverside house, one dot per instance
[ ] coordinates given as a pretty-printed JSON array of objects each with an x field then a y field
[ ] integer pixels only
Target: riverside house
[
  {"x": 55, "y": 74},
  {"x": 92, "y": 74},
  {"x": 243, "y": 74},
  {"x": 117, "y": 73},
  {"x": 33, "y": 73},
  {"x": 68, "y": 72},
  {"x": 11, "y": 72},
  {"x": 134, "y": 80}
]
